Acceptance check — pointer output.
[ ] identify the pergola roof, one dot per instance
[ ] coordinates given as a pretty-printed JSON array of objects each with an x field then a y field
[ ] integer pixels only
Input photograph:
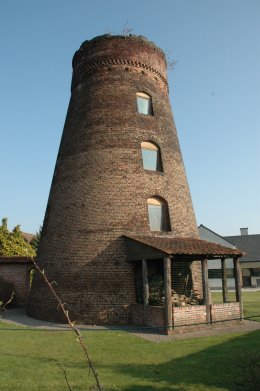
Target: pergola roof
[{"x": 184, "y": 247}]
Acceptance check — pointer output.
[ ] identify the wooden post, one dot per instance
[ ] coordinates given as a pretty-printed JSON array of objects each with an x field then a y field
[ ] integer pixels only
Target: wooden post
[
  {"x": 205, "y": 286},
  {"x": 224, "y": 280},
  {"x": 168, "y": 294},
  {"x": 145, "y": 287},
  {"x": 238, "y": 285}
]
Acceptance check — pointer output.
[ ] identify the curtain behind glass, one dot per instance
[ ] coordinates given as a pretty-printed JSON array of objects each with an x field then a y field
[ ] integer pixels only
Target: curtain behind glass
[
  {"x": 150, "y": 159},
  {"x": 155, "y": 217},
  {"x": 143, "y": 105}
]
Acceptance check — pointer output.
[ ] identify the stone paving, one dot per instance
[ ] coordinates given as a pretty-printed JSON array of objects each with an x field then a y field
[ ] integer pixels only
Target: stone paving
[{"x": 17, "y": 317}]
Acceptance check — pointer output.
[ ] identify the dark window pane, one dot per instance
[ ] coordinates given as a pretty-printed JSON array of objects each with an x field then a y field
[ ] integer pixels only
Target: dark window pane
[
  {"x": 256, "y": 272},
  {"x": 217, "y": 273}
]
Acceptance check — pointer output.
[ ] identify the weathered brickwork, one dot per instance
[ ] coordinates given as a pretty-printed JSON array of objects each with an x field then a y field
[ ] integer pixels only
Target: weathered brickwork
[{"x": 100, "y": 189}]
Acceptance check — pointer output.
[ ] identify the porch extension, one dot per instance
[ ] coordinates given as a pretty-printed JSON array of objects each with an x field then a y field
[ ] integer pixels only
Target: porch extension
[{"x": 172, "y": 251}]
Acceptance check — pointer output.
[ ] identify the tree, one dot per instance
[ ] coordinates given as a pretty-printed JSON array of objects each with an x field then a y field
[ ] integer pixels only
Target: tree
[
  {"x": 36, "y": 239},
  {"x": 13, "y": 243}
]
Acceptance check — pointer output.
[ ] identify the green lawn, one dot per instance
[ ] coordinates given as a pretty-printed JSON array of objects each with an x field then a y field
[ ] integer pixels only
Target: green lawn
[
  {"x": 251, "y": 302},
  {"x": 28, "y": 361}
]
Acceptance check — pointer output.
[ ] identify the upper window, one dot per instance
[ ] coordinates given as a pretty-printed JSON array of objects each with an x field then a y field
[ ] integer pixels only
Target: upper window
[
  {"x": 158, "y": 214},
  {"x": 151, "y": 156},
  {"x": 144, "y": 103}
]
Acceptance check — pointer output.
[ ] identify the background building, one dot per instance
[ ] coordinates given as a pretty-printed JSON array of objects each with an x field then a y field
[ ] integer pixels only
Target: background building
[{"x": 249, "y": 262}]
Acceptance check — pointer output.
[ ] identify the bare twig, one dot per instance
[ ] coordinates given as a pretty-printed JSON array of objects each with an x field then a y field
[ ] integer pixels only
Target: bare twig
[
  {"x": 126, "y": 30},
  {"x": 171, "y": 62},
  {"x": 2, "y": 306},
  {"x": 71, "y": 324},
  {"x": 65, "y": 375}
]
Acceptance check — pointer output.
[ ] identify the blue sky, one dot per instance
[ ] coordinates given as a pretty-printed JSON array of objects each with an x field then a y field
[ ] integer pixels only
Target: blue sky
[{"x": 214, "y": 91}]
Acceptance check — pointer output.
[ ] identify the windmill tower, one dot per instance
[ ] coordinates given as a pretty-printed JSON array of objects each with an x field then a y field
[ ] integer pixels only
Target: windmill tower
[{"x": 119, "y": 172}]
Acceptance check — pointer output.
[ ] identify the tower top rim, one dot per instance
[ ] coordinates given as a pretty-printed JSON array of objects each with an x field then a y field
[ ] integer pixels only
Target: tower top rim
[{"x": 130, "y": 37}]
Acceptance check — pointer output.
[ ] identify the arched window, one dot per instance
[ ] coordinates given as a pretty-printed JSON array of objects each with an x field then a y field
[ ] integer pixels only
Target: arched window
[
  {"x": 151, "y": 156},
  {"x": 158, "y": 214},
  {"x": 144, "y": 103}
]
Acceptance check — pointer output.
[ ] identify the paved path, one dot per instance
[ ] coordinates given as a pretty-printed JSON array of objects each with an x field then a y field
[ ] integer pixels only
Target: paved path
[{"x": 18, "y": 317}]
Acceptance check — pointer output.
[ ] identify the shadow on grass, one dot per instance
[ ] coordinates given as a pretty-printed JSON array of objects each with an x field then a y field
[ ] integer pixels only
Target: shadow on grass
[{"x": 233, "y": 365}]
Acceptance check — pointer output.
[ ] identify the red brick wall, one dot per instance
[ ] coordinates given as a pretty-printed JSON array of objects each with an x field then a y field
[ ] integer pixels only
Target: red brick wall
[
  {"x": 100, "y": 189},
  {"x": 18, "y": 275},
  {"x": 186, "y": 318},
  {"x": 154, "y": 316},
  {"x": 189, "y": 318},
  {"x": 226, "y": 311}
]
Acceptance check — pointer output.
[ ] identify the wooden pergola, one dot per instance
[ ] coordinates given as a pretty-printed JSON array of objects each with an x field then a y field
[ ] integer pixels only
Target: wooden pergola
[{"x": 144, "y": 248}]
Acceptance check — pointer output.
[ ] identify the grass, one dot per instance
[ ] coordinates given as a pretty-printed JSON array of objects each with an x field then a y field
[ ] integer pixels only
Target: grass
[
  {"x": 28, "y": 360},
  {"x": 251, "y": 302}
]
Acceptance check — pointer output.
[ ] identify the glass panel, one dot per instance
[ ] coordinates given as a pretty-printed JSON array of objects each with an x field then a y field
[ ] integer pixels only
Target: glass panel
[
  {"x": 150, "y": 159},
  {"x": 143, "y": 105},
  {"x": 256, "y": 272},
  {"x": 217, "y": 273},
  {"x": 155, "y": 217}
]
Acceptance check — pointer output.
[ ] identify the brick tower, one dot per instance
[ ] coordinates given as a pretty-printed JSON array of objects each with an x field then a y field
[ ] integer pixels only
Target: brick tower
[{"x": 119, "y": 171}]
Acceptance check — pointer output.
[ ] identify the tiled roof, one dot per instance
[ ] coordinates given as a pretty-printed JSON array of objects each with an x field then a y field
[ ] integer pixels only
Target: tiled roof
[
  {"x": 28, "y": 237},
  {"x": 186, "y": 246},
  {"x": 248, "y": 243}
]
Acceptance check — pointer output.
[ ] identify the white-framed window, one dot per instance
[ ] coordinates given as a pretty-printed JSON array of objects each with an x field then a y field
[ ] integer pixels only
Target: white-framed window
[
  {"x": 158, "y": 214},
  {"x": 151, "y": 156},
  {"x": 144, "y": 103}
]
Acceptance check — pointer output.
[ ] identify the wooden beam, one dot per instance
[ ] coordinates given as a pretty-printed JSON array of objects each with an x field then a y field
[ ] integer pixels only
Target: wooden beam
[
  {"x": 238, "y": 285},
  {"x": 145, "y": 287},
  {"x": 168, "y": 294},
  {"x": 205, "y": 287},
  {"x": 224, "y": 280}
]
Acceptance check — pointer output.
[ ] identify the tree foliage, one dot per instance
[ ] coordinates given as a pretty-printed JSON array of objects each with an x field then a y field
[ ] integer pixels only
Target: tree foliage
[
  {"x": 36, "y": 239},
  {"x": 12, "y": 243}
]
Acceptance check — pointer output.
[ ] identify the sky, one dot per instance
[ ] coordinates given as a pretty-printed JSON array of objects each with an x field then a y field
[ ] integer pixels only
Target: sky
[{"x": 214, "y": 93}]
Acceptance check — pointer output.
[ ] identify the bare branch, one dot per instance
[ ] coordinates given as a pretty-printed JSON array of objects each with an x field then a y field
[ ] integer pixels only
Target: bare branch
[
  {"x": 171, "y": 62},
  {"x": 71, "y": 324},
  {"x": 126, "y": 30},
  {"x": 65, "y": 375},
  {"x": 2, "y": 306}
]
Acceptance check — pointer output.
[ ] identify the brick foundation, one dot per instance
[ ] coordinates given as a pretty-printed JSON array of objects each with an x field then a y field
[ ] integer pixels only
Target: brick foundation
[
  {"x": 186, "y": 318},
  {"x": 224, "y": 312}
]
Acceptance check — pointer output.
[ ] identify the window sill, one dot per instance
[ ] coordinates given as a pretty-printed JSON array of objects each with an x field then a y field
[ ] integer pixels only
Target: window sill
[
  {"x": 145, "y": 115},
  {"x": 154, "y": 172},
  {"x": 160, "y": 232}
]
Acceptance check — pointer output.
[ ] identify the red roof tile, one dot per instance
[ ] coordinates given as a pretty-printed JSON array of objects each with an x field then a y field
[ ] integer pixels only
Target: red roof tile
[
  {"x": 187, "y": 246},
  {"x": 28, "y": 237}
]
